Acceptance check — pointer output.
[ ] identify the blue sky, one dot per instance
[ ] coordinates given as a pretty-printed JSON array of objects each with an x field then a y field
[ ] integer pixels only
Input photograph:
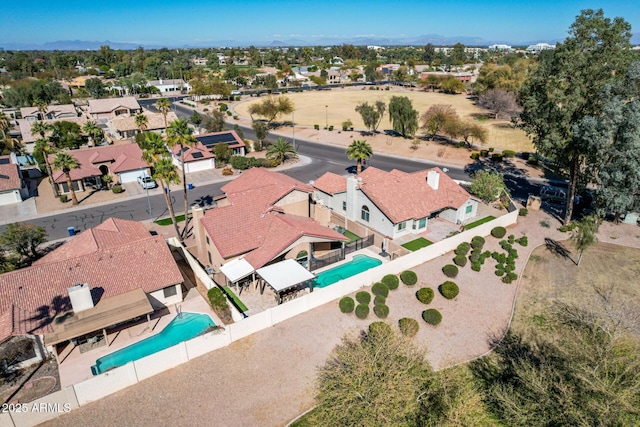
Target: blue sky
[{"x": 176, "y": 23}]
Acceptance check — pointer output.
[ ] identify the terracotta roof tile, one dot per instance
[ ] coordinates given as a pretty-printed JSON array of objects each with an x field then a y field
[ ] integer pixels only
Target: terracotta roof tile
[
  {"x": 155, "y": 121},
  {"x": 109, "y": 104},
  {"x": 190, "y": 152},
  {"x": 9, "y": 176},
  {"x": 331, "y": 183}
]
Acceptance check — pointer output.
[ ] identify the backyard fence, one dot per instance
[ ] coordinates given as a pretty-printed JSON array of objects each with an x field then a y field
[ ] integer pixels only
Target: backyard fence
[{"x": 339, "y": 254}]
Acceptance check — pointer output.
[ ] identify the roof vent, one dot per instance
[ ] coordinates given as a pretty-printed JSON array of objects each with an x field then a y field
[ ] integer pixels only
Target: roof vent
[
  {"x": 433, "y": 179},
  {"x": 80, "y": 296}
]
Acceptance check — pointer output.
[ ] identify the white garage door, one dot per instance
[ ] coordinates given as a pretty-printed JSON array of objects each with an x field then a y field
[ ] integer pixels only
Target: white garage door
[{"x": 131, "y": 176}]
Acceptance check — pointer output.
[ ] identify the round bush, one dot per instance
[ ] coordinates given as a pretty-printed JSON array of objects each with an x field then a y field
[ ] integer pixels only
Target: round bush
[
  {"x": 449, "y": 289},
  {"x": 523, "y": 212},
  {"x": 499, "y": 232},
  {"x": 432, "y": 316},
  {"x": 523, "y": 241},
  {"x": 460, "y": 260},
  {"x": 425, "y": 295},
  {"x": 346, "y": 305},
  {"x": 499, "y": 272},
  {"x": 380, "y": 288},
  {"x": 408, "y": 327},
  {"x": 363, "y": 297},
  {"x": 379, "y": 299},
  {"x": 379, "y": 328},
  {"x": 476, "y": 266},
  {"x": 381, "y": 310},
  {"x": 477, "y": 242},
  {"x": 362, "y": 311},
  {"x": 462, "y": 248},
  {"x": 409, "y": 278},
  {"x": 450, "y": 270},
  {"x": 391, "y": 280}
]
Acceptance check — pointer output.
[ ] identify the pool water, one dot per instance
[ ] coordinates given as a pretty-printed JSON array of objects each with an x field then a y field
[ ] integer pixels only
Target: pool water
[
  {"x": 359, "y": 264},
  {"x": 182, "y": 328}
]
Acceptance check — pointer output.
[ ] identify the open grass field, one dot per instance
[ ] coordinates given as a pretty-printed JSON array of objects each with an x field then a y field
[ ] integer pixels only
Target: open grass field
[
  {"x": 335, "y": 106},
  {"x": 549, "y": 278}
]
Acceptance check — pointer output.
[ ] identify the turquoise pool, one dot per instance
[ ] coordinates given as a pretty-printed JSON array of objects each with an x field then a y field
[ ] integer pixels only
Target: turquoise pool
[
  {"x": 359, "y": 264},
  {"x": 182, "y": 328}
]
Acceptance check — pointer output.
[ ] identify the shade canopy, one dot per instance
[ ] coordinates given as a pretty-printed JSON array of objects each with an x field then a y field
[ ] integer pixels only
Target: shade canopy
[
  {"x": 284, "y": 274},
  {"x": 237, "y": 269}
]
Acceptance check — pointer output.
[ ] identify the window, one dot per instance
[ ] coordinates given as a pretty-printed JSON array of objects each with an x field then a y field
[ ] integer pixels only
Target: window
[
  {"x": 208, "y": 240},
  {"x": 469, "y": 209},
  {"x": 344, "y": 206},
  {"x": 402, "y": 225},
  {"x": 422, "y": 223},
  {"x": 170, "y": 291},
  {"x": 365, "y": 213},
  {"x": 209, "y": 255}
]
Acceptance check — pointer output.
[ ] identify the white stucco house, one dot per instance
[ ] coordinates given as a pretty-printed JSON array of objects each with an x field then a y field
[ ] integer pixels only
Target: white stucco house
[
  {"x": 169, "y": 85},
  {"x": 396, "y": 203}
]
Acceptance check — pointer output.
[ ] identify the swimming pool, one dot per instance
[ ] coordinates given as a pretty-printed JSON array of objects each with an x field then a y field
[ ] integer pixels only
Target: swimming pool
[
  {"x": 359, "y": 264},
  {"x": 182, "y": 328}
]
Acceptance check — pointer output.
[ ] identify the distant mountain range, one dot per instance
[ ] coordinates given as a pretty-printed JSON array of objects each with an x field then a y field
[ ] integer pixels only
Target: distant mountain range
[{"x": 435, "y": 39}]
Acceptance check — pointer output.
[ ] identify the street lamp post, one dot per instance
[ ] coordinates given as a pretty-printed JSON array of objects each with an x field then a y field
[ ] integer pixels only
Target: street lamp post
[{"x": 326, "y": 117}]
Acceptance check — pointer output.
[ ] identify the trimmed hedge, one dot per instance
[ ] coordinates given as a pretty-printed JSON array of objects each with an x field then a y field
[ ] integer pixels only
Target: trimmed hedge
[
  {"x": 477, "y": 242},
  {"x": 425, "y": 295},
  {"x": 462, "y": 249},
  {"x": 499, "y": 232},
  {"x": 379, "y": 299},
  {"x": 391, "y": 280},
  {"x": 476, "y": 266},
  {"x": 362, "y": 311},
  {"x": 523, "y": 241},
  {"x": 408, "y": 327},
  {"x": 460, "y": 260},
  {"x": 381, "y": 310},
  {"x": 409, "y": 278},
  {"x": 432, "y": 316},
  {"x": 347, "y": 305},
  {"x": 449, "y": 289},
  {"x": 380, "y": 288},
  {"x": 450, "y": 270},
  {"x": 363, "y": 297}
]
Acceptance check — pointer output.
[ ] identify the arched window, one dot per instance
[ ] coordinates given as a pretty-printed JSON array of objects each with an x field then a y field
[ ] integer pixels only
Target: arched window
[{"x": 365, "y": 213}]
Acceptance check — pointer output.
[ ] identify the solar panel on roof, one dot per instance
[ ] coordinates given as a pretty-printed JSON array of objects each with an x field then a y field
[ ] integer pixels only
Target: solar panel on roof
[
  {"x": 4, "y": 161},
  {"x": 197, "y": 155},
  {"x": 211, "y": 140}
]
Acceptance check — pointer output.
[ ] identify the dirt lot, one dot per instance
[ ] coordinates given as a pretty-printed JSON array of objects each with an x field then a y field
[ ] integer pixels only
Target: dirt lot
[{"x": 335, "y": 106}]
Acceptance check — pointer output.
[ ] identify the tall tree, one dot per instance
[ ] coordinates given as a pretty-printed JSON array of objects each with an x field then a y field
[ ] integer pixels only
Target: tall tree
[
  {"x": 165, "y": 171},
  {"x": 271, "y": 107},
  {"x": 45, "y": 147},
  {"x": 369, "y": 114},
  {"x": 359, "y": 151},
  {"x": 261, "y": 129},
  {"x": 93, "y": 131},
  {"x": 566, "y": 85},
  {"x": 214, "y": 121},
  {"x": 403, "y": 116},
  {"x": 24, "y": 239},
  {"x": 142, "y": 121},
  {"x": 584, "y": 235},
  {"x": 436, "y": 118},
  {"x": 179, "y": 134},
  {"x": 65, "y": 162},
  {"x": 281, "y": 150},
  {"x": 500, "y": 102},
  {"x": 163, "y": 105}
]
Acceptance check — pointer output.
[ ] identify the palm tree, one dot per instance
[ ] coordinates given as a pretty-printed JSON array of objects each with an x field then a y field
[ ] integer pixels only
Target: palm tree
[
  {"x": 41, "y": 128},
  {"x": 166, "y": 172},
  {"x": 281, "y": 150},
  {"x": 93, "y": 131},
  {"x": 584, "y": 235},
  {"x": 42, "y": 108},
  {"x": 179, "y": 135},
  {"x": 359, "y": 150},
  {"x": 142, "y": 121},
  {"x": 163, "y": 105},
  {"x": 153, "y": 147},
  {"x": 66, "y": 162}
]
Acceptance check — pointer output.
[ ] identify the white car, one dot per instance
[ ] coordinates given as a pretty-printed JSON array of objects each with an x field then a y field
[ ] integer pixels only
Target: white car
[{"x": 147, "y": 182}]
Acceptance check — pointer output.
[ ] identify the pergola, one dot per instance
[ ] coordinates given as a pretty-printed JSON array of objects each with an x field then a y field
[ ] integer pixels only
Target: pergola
[
  {"x": 285, "y": 275},
  {"x": 237, "y": 270}
]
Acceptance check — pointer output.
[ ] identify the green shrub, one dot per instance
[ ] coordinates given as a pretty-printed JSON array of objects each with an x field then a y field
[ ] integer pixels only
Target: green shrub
[
  {"x": 496, "y": 157},
  {"x": 117, "y": 189},
  {"x": 243, "y": 163},
  {"x": 475, "y": 256},
  {"x": 379, "y": 299},
  {"x": 460, "y": 260},
  {"x": 391, "y": 280},
  {"x": 331, "y": 127},
  {"x": 316, "y": 127},
  {"x": 484, "y": 153},
  {"x": 523, "y": 212},
  {"x": 508, "y": 153},
  {"x": 223, "y": 107},
  {"x": 408, "y": 327},
  {"x": 499, "y": 272},
  {"x": 523, "y": 241},
  {"x": 477, "y": 242},
  {"x": 380, "y": 288},
  {"x": 217, "y": 299},
  {"x": 363, "y": 297},
  {"x": 381, "y": 310},
  {"x": 462, "y": 249},
  {"x": 491, "y": 149},
  {"x": 509, "y": 277},
  {"x": 229, "y": 113},
  {"x": 64, "y": 198},
  {"x": 511, "y": 239},
  {"x": 499, "y": 232},
  {"x": 450, "y": 270},
  {"x": 532, "y": 160},
  {"x": 432, "y": 316},
  {"x": 476, "y": 266},
  {"x": 409, "y": 278},
  {"x": 347, "y": 305},
  {"x": 505, "y": 245},
  {"x": 379, "y": 328},
  {"x": 475, "y": 156},
  {"x": 362, "y": 311},
  {"x": 425, "y": 295},
  {"x": 449, "y": 289}
]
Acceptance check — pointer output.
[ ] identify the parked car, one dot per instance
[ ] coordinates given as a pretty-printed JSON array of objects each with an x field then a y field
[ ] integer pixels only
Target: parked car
[
  {"x": 147, "y": 182},
  {"x": 553, "y": 194}
]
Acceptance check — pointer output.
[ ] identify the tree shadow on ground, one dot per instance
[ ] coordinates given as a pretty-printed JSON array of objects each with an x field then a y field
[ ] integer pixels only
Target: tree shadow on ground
[{"x": 557, "y": 248}]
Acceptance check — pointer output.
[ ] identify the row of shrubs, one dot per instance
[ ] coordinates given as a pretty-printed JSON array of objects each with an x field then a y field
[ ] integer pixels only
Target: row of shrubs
[
  {"x": 243, "y": 163},
  {"x": 448, "y": 289}
]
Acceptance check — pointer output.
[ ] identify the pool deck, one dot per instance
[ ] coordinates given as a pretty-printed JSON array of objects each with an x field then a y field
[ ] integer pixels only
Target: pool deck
[{"x": 75, "y": 367}]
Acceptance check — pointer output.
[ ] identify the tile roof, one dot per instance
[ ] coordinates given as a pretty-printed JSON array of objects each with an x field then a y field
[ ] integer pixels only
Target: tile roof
[
  {"x": 122, "y": 158},
  {"x": 191, "y": 153},
  {"x": 251, "y": 225},
  {"x": 113, "y": 258},
  {"x": 56, "y": 110},
  {"x": 25, "y": 127},
  {"x": 9, "y": 176},
  {"x": 331, "y": 183},
  {"x": 109, "y": 104},
  {"x": 229, "y": 137},
  {"x": 155, "y": 121},
  {"x": 402, "y": 196}
]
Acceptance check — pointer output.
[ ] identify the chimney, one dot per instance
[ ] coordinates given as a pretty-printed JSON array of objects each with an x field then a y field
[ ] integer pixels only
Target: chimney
[
  {"x": 433, "y": 179},
  {"x": 80, "y": 296},
  {"x": 160, "y": 81},
  {"x": 352, "y": 197}
]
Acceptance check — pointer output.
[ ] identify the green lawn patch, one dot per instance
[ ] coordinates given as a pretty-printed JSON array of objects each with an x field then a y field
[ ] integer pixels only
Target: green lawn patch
[
  {"x": 479, "y": 222},
  {"x": 243, "y": 308},
  {"x": 416, "y": 244},
  {"x": 167, "y": 221},
  {"x": 352, "y": 237}
]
